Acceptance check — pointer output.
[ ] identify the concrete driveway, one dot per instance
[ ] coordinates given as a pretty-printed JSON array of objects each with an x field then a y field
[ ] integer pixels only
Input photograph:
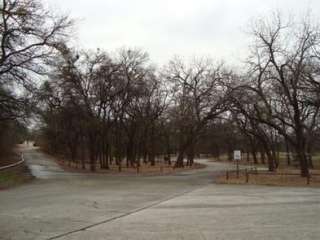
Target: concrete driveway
[{"x": 60, "y": 205}]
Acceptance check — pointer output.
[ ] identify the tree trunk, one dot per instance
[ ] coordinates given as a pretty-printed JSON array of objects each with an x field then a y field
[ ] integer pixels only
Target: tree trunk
[
  {"x": 302, "y": 158},
  {"x": 106, "y": 156},
  {"x": 271, "y": 165},
  {"x": 287, "y": 152},
  {"x": 270, "y": 157},
  {"x": 254, "y": 155},
  {"x": 179, "y": 162},
  {"x": 309, "y": 157},
  {"x": 248, "y": 155},
  {"x": 230, "y": 157},
  {"x": 275, "y": 158},
  {"x": 190, "y": 155},
  {"x": 92, "y": 163},
  {"x": 300, "y": 150},
  {"x": 303, "y": 163},
  {"x": 300, "y": 143},
  {"x": 92, "y": 153},
  {"x": 263, "y": 156},
  {"x": 152, "y": 146}
]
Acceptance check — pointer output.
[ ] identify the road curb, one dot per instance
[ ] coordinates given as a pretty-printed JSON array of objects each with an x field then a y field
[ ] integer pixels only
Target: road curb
[{"x": 13, "y": 164}]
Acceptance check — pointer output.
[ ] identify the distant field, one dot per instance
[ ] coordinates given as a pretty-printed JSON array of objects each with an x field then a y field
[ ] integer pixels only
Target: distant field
[
  {"x": 283, "y": 176},
  {"x": 282, "y": 160}
]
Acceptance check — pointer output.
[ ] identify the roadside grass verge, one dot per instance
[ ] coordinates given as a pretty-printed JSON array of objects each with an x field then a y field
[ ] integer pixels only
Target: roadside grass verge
[
  {"x": 16, "y": 175},
  {"x": 283, "y": 177},
  {"x": 10, "y": 179}
]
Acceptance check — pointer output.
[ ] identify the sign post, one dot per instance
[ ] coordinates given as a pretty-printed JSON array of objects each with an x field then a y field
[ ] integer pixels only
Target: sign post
[{"x": 237, "y": 158}]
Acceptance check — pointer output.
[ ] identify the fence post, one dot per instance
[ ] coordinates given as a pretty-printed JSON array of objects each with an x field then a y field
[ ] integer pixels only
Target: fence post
[
  {"x": 227, "y": 175},
  {"x": 308, "y": 179},
  {"x": 238, "y": 170},
  {"x": 247, "y": 176}
]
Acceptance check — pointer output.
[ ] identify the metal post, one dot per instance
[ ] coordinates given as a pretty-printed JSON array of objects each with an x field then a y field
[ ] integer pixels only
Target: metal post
[{"x": 237, "y": 169}]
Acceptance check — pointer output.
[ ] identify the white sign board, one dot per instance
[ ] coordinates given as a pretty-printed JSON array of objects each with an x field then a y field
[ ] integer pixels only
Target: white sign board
[{"x": 237, "y": 155}]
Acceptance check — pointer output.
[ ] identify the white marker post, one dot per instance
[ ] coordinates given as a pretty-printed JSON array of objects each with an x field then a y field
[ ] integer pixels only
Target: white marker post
[{"x": 237, "y": 158}]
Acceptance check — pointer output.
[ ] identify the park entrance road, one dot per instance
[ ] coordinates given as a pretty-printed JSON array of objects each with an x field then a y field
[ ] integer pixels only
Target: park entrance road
[{"x": 61, "y": 205}]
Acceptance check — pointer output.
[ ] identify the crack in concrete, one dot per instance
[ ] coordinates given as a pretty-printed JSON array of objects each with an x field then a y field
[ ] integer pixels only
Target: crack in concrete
[
  {"x": 125, "y": 214},
  {"x": 194, "y": 206}
]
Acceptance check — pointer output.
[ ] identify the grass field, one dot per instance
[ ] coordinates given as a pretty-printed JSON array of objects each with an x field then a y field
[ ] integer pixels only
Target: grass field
[
  {"x": 282, "y": 160},
  {"x": 284, "y": 176},
  {"x": 278, "y": 178}
]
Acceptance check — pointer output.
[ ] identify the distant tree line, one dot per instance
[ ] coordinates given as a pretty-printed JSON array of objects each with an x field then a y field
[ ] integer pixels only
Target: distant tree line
[{"x": 99, "y": 109}]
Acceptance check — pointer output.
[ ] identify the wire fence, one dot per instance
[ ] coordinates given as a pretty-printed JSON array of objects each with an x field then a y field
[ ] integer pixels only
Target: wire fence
[{"x": 254, "y": 172}]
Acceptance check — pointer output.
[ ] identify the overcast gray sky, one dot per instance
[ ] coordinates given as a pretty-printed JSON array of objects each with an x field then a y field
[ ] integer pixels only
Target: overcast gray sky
[{"x": 166, "y": 28}]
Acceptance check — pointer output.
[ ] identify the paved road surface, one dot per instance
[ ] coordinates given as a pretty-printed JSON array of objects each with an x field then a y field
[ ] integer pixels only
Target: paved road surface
[{"x": 61, "y": 205}]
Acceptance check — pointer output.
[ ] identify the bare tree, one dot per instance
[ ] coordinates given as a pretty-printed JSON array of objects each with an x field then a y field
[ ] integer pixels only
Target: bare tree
[
  {"x": 28, "y": 37},
  {"x": 280, "y": 74},
  {"x": 29, "y": 34},
  {"x": 199, "y": 96}
]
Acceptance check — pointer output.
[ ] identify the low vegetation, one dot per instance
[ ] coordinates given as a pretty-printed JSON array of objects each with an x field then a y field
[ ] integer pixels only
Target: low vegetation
[
  {"x": 276, "y": 178},
  {"x": 12, "y": 179},
  {"x": 13, "y": 176}
]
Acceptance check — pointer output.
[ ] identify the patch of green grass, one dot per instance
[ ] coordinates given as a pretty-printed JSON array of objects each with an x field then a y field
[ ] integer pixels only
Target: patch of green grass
[{"x": 11, "y": 179}]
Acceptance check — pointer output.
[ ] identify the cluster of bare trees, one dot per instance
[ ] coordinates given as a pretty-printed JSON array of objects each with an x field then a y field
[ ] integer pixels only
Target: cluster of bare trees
[
  {"x": 101, "y": 109},
  {"x": 199, "y": 96},
  {"x": 28, "y": 34},
  {"x": 278, "y": 100}
]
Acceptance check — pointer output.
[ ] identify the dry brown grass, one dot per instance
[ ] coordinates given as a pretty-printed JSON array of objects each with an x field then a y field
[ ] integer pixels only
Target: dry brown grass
[
  {"x": 283, "y": 177},
  {"x": 14, "y": 176},
  {"x": 10, "y": 179},
  {"x": 144, "y": 169},
  {"x": 283, "y": 160}
]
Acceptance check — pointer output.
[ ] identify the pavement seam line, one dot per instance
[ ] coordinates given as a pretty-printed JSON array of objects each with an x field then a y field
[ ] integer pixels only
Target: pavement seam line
[{"x": 125, "y": 214}]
